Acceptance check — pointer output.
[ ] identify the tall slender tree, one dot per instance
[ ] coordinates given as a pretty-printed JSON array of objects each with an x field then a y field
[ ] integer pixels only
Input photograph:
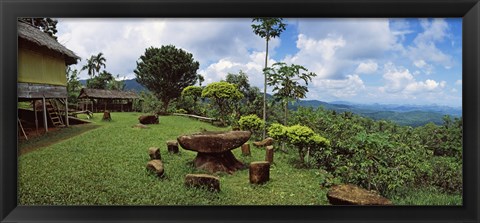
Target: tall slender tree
[
  {"x": 99, "y": 62},
  {"x": 90, "y": 66},
  {"x": 267, "y": 28},
  {"x": 94, "y": 64},
  {"x": 285, "y": 81}
]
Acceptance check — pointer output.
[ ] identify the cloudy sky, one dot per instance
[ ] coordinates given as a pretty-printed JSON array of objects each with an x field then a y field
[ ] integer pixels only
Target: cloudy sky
[{"x": 389, "y": 61}]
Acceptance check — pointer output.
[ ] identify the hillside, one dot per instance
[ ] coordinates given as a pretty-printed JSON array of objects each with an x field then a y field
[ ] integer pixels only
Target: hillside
[{"x": 409, "y": 115}]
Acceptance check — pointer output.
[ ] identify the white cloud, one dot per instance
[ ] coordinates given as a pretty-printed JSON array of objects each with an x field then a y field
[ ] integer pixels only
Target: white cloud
[
  {"x": 123, "y": 41},
  {"x": 333, "y": 48},
  {"x": 424, "y": 45},
  {"x": 317, "y": 56},
  {"x": 458, "y": 82},
  {"x": 401, "y": 82},
  {"x": 253, "y": 67},
  {"x": 351, "y": 86},
  {"x": 396, "y": 79},
  {"x": 367, "y": 67},
  {"x": 426, "y": 68}
]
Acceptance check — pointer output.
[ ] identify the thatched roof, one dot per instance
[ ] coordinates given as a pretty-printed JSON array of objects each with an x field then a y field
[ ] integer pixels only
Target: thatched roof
[
  {"x": 36, "y": 36},
  {"x": 106, "y": 94}
]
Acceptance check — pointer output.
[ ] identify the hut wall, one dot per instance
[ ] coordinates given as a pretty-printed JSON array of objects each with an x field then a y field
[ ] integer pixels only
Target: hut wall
[{"x": 41, "y": 68}]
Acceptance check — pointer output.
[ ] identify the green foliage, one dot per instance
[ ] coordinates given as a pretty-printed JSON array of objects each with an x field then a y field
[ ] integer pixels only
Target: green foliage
[
  {"x": 285, "y": 82},
  {"x": 113, "y": 84},
  {"x": 278, "y": 132},
  {"x": 222, "y": 95},
  {"x": 181, "y": 111},
  {"x": 94, "y": 64},
  {"x": 251, "y": 123},
  {"x": 303, "y": 138},
  {"x": 150, "y": 103},
  {"x": 192, "y": 91},
  {"x": 166, "y": 71},
  {"x": 251, "y": 102},
  {"x": 444, "y": 173},
  {"x": 73, "y": 85},
  {"x": 47, "y": 25},
  {"x": 268, "y": 27},
  {"x": 189, "y": 100},
  {"x": 101, "y": 81},
  {"x": 384, "y": 156}
]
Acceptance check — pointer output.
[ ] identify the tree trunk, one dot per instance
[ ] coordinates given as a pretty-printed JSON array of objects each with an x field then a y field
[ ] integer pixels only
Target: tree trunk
[
  {"x": 165, "y": 105},
  {"x": 286, "y": 112},
  {"x": 302, "y": 156},
  {"x": 265, "y": 90}
]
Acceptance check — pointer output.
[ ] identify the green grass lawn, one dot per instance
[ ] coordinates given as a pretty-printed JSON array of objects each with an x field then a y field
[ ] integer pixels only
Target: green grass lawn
[{"x": 104, "y": 164}]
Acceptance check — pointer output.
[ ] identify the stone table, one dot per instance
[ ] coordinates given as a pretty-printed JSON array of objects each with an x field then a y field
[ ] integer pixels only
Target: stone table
[{"x": 214, "y": 149}]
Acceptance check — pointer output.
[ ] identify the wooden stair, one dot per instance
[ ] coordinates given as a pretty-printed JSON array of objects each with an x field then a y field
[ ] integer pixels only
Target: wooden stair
[{"x": 53, "y": 113}]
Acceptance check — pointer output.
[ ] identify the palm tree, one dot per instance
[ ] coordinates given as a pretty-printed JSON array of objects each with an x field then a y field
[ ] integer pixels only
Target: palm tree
[
  {"x": 90, "y": 66},
  {"x": 268, "y": 28},
  {"x": 285, "y": 80},
  {"x": 94, "y": 64},
  {"x": 99, "y": 61}
]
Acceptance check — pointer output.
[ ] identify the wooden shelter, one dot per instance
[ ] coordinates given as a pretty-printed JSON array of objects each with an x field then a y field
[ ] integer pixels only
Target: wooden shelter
[
  {"x": 100, "y": 100},
  {"x": 42, "y": 63}
]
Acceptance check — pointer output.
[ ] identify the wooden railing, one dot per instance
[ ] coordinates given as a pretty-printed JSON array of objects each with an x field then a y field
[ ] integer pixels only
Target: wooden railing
[{"x": 201, "y": 118}]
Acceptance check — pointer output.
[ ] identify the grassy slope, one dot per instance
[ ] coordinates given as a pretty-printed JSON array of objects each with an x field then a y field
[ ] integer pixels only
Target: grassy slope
[{"x": 106, "y": 166}]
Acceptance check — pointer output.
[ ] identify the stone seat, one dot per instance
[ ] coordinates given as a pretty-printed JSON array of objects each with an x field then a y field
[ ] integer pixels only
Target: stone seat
[{"x": 348, "y": 194}]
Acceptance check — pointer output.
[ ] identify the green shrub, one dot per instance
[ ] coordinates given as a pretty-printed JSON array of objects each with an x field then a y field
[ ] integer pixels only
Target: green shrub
[
  {"x": 251, "y": 123},
  {"x": 181, "y": 111},
  {"x": 303, "y": 138},
  {"x": 444, "y": 173}
]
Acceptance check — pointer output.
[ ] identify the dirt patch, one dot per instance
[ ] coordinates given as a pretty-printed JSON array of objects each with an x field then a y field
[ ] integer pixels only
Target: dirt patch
[{"x": 54, "y": 135}]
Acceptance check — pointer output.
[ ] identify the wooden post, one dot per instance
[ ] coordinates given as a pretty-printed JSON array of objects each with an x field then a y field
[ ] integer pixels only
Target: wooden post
[
  {"x": 21, "y": 127},
  {"x": 269, "y": 154},
  {"x": 66, "y": 112},
  {"x": 45, "y": 114},
  {"x": 246, "y": 149},
  {"x": 36, "y": 118}
]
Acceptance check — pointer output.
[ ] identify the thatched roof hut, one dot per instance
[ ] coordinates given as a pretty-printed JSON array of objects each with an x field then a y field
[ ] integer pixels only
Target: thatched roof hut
[
  {"x": 42, "y": 64},
  {"x": 97, "y": 100},
  {"x": 27, "y": 32}
]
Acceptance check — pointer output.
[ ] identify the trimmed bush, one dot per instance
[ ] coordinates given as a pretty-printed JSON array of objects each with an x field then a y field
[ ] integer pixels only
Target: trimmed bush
[{"x": 251, "y": 123}]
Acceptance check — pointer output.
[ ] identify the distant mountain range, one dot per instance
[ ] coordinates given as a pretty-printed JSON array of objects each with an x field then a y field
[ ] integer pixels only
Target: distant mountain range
[
  {"x": 411, "y": 115},
  {"x": 130, "y": 85}
]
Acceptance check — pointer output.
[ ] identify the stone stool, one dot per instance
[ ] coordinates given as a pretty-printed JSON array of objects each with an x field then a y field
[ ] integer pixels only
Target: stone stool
[
  {"x": 204, "y": 181},
  {"x": 259, "y": 172}
]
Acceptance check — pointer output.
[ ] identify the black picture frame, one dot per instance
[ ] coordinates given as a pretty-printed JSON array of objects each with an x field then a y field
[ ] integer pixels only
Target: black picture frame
[{"x": 469, "y": 10}]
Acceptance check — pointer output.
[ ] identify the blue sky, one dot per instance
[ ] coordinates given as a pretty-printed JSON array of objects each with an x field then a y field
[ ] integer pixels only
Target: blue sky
[{"x": 388, "y": 61}]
